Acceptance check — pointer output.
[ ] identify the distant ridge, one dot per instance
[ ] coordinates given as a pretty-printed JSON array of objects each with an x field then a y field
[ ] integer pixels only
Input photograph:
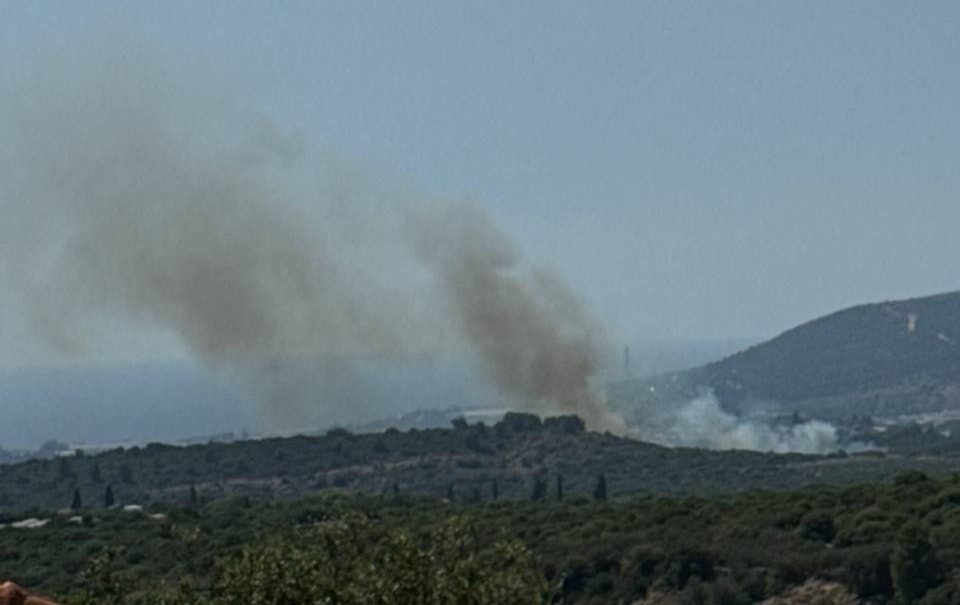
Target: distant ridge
[{"x": 884, "y": 359}]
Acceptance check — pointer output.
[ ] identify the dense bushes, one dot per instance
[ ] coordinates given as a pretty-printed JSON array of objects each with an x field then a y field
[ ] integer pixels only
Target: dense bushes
[
  {"x": 882, "y": 542},
  {"x": 348, "y": 561},
  {"x": 514, "y": 453}
]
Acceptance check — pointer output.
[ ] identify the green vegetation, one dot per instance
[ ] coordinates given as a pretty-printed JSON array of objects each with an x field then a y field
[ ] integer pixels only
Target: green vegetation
[
  {"x": 897, "y": 542},
  {"x": 518, "y": 458},
  {"x": 348, "y": 560}
]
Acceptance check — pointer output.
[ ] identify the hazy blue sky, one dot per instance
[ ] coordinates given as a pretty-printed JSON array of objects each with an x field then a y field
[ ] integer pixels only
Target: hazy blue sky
[{"x": 695, "y": 170}]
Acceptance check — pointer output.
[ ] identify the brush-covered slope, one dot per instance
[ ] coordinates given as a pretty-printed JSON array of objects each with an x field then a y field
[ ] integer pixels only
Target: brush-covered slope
[
  {"x": 889, "y": 358},
  {"x": 514, "y": 459}
]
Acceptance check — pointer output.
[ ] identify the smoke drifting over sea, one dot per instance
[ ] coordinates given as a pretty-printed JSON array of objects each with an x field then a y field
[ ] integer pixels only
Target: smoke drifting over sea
[{"x": 137, "y": 197}]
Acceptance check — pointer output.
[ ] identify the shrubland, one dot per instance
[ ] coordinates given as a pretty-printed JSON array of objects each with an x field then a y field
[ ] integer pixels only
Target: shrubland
[
  {"x": 897, "y": 542},
  {"x": 466, "y": 462}
]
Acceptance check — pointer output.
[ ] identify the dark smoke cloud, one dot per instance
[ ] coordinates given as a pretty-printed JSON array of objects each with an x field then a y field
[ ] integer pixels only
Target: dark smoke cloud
[
  {"x": 132, "y": 193},
  {"x": 532, "y": 332}
]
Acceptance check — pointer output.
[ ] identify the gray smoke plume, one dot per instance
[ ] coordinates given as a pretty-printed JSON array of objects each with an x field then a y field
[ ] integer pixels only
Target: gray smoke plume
[
  {"x": 532, "y": 332},
  {"x": 137, "y": 196}
]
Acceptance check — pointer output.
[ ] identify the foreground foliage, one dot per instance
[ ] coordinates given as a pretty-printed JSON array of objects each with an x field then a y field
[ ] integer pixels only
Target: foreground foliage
[
  {"x": 888, "y": 543},
  {"x": 348, "y": 561}
]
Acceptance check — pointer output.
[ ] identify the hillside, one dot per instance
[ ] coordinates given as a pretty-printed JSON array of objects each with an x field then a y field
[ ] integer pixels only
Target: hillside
[
  {"x": 884, "y": 359},
  {"x": 465, "y": 463}
]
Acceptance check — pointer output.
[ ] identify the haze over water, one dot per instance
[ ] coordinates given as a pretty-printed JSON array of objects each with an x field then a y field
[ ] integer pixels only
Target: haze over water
[{"x": 689, "y": 172}]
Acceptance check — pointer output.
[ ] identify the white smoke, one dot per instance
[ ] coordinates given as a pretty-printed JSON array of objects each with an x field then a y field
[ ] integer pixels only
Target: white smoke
[{"x": 702, "y": 423}]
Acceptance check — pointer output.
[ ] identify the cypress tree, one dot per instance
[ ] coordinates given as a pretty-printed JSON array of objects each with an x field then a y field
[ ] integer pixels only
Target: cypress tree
[
  {"x": 600, "y": 493},
  {"x": 108, "y": 499},
  {"x": 539, "y": 489},
  {"x": 77, "y": 503}
]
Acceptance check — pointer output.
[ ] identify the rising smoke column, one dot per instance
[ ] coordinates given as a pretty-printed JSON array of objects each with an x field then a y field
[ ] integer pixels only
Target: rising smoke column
[
  {"x": 139, "y": 196},
  {"x": 135, "y": 195},
  {"x": 533, "y": 334}
]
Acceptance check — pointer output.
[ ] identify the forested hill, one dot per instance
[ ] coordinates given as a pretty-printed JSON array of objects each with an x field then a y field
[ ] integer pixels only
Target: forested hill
[
  {"x": 885, "y": 359},
  {"x": 519, "y": 458}
]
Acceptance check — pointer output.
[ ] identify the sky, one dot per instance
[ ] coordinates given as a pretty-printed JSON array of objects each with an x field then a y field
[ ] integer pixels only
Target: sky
[{"x": 694, "y": 170}]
